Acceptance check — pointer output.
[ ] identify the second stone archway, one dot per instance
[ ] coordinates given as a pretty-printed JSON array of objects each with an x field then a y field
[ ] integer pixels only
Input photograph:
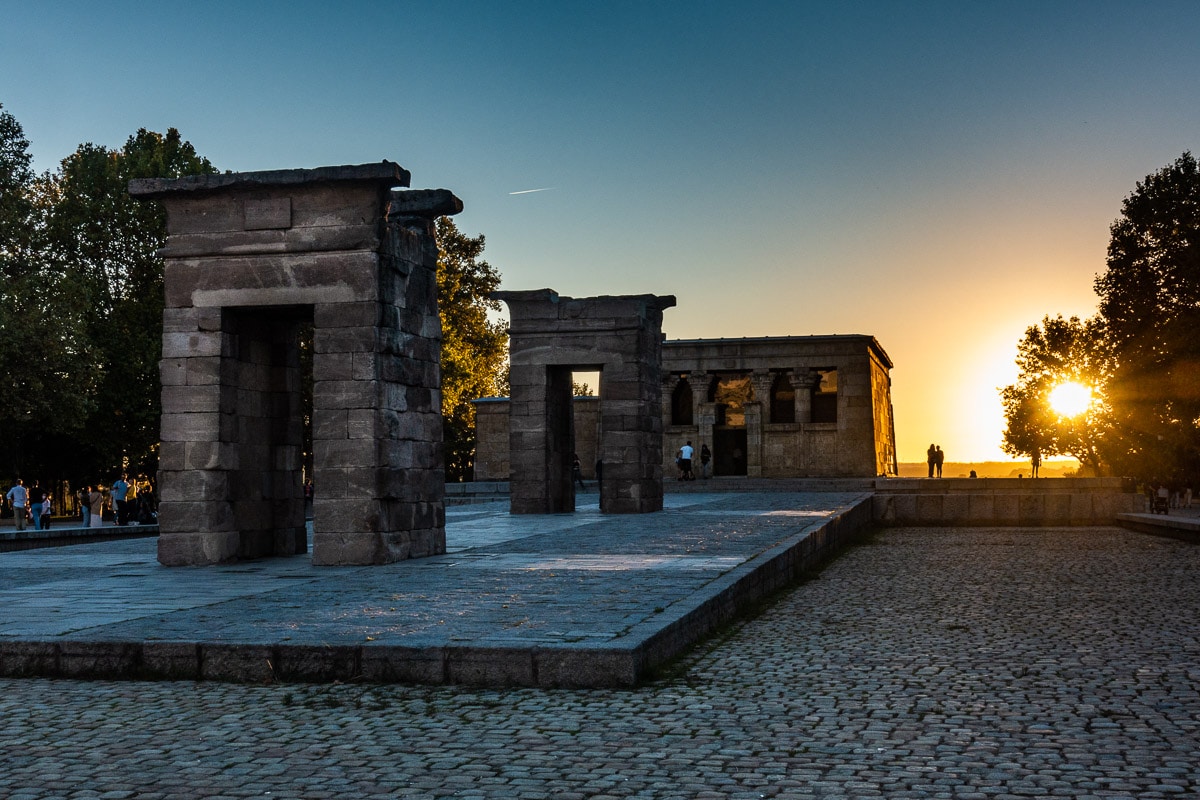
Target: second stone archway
[{"x": 619, "y": 336}]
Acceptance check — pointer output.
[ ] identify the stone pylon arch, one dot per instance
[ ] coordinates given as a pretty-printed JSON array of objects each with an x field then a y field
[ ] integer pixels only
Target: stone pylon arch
[
  {"x": 252, "y": 259},
  {"x": 618, "y": 336}
]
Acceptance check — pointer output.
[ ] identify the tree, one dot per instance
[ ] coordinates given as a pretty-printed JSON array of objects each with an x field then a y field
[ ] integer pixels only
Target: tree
[
  {"x": 473, "y": 347},
  {"x": 1057, "y": 352},
  {"x": 45, "y": 353},
  {"x": 1150, "y": 306},
  {"x": 106, "y": 245},
  {"x": 16, "y": 204}
]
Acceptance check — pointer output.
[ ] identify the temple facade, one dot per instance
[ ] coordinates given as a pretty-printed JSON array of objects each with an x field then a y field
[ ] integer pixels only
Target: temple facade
[{"x": 770, "y": 407}]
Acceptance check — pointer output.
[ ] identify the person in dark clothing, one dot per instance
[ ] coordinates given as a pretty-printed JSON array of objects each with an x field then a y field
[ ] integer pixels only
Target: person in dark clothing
[{"x": 577, "y": 471}]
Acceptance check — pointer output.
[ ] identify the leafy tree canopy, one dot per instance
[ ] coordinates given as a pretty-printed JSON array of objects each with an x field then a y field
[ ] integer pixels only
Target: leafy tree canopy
[
  {"x": 1150, "y": 307},
  {"x": 1056, "y": 352},
  {"x": 16, "y": 206},
  {"x": 473, "y": 347}
]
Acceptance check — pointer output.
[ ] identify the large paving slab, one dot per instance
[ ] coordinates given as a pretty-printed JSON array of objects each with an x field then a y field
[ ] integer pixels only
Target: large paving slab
[
  {"x": 571, "y": 599},
  {"x": 963, "y": 664}
]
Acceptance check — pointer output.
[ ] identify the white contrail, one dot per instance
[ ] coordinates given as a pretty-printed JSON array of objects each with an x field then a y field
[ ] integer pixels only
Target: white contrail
[{"x": 530, "y": 191}]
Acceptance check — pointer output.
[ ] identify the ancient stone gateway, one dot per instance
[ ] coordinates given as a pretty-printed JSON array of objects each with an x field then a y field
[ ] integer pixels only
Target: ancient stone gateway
[
  {"x": 621, "y": 337},
  {"x": 253, "y": 260}
]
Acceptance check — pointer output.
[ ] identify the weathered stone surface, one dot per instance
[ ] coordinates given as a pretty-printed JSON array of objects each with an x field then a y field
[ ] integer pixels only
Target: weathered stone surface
[
  {"x": 424, "y": 203},
  {"x": 385, "y": 173},
  {"x": 549, "y": 337},
  {"x": 252, "y": 260}
]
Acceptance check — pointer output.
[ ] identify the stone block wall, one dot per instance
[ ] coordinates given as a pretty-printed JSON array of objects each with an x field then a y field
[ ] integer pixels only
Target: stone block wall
[
  {"x": 1002, "y": 502},
  {"x": 252, "y": 259},
  {"x": 619, "y": 336},
  {"x": 491, "y": 436}
]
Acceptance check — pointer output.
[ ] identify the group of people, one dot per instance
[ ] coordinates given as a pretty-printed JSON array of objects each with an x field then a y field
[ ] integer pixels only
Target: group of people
[
  {"x": 935, "y": 457},
  {"x": 684, "y": 457},
  {"x": 30, "y": 505},
  {"x": 130, "y": 505}
]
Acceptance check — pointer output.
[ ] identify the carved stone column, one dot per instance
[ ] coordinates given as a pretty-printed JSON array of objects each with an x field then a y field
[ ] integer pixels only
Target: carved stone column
[
  {"x": 698, "y": 383},
  {"x": 669, "y": 382},
  {"x": 758, "y": 414},
  {"x": 803, "y": 380}
]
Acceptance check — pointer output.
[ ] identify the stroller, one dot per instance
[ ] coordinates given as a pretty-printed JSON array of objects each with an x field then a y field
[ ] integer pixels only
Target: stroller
[{"x": 1160, "y": 502}]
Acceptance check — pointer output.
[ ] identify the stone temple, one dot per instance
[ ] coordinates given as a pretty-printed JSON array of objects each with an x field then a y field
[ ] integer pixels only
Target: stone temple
[
  {"x": 297, "y": 292},
  {"x": 772, "y": 407}
]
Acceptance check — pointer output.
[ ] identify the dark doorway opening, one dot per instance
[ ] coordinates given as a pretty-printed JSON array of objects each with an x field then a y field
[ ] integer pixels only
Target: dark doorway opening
[{"x": 729, "y": 451}]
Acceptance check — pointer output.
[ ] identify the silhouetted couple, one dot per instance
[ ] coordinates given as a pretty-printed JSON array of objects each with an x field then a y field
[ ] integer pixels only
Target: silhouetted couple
[{"x": 936, "y": 458}]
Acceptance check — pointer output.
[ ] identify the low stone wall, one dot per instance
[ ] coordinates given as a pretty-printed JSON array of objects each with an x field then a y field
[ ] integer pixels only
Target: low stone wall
[
  {"x": 985, "y": 502},
  {"x": 29, "y": 539},
  {"x": 461, "y": 494}
]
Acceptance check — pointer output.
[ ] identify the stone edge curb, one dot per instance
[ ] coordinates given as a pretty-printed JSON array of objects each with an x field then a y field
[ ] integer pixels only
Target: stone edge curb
[
  {"x": 1186, "y": 529},
  {"x": 14, "y": 541}
]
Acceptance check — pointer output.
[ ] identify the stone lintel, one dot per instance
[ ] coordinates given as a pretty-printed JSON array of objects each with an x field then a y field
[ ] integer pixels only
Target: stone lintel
[
  {"x": 533, "y": 309},
  {"x": 385, "y": 173},
  {"x": 424, "y": 203}
]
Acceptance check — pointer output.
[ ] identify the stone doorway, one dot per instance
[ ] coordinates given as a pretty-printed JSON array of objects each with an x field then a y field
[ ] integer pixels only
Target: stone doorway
[
  {"x": 729, "y": 451},
  {"x": 251, "y": 260},
  {"x": 551, "y": 337}
]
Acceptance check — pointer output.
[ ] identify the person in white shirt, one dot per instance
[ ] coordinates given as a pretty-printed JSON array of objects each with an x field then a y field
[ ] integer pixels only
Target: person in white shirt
[
  {"x": 18, "y": 495},
  {"x": 685, "y": 462}
]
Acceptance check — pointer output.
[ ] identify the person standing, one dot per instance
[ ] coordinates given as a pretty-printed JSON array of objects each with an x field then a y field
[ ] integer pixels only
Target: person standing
[
  {"x": 18, "y": 495},
  {"x": 118, "y": 491},
  {"x": 96, "y": 506},
  {"x": 705, "y": 457},
  {"x": 36, "y": 497},
  {"x": 84, "y": 509},
  {"x": 931, "y": 458},
  {"x": 939, "y": 459},
  {"x": 1035, "y": 461}
]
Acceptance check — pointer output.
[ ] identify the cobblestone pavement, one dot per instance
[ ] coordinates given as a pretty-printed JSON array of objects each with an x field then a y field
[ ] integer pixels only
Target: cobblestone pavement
[{"x": 949, "y": 663}]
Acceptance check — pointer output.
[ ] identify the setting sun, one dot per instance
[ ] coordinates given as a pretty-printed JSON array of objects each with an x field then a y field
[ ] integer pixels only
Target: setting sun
[{"x": 1070, "y": 399}]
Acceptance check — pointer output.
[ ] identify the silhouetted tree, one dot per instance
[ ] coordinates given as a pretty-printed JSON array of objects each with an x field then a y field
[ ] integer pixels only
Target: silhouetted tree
[
  {"x": 1150, "y": 307},
  {"x": 1056, "y": 352}
]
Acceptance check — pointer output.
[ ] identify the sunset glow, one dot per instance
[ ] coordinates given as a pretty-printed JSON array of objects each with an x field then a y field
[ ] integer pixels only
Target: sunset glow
[{"x": 1070, "y": 399}]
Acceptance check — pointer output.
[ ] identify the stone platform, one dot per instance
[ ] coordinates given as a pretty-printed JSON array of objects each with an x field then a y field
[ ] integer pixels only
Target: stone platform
[{"x": 583, "y": 599}]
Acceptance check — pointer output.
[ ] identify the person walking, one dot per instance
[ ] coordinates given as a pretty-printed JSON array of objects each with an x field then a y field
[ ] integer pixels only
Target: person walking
[
  {"x": 685, "y": 462},
  {"x": 577, "y": 471},
  {"x": 18, "y": 495}
]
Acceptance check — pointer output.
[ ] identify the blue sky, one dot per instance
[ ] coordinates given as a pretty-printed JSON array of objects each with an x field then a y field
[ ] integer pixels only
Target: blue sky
[{"x": 940, "y": 175}]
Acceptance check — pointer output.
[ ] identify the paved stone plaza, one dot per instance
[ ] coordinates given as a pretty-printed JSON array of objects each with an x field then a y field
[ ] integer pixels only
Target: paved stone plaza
[{"x": 954, "y": 663}]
